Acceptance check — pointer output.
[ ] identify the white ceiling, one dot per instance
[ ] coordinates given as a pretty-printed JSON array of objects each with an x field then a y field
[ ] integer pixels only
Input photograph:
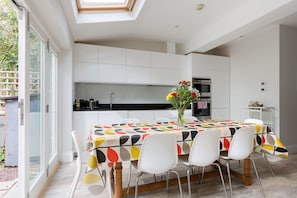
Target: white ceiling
[{"x": 175, "y": 21}]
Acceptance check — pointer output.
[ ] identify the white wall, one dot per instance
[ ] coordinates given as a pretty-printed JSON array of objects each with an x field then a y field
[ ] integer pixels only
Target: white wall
[
  {"x": 255, "y": 59},
  {"x": 288, "y": 88}
]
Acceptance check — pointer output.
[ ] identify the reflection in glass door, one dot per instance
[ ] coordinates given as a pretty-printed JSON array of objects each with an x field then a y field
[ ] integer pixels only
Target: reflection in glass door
[
  {"x": 35, "y": 113},
  {"x": 51, "y": 110}
]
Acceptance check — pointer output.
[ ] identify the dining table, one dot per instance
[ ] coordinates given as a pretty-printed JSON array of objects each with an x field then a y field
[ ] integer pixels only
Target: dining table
[{"x": 111, "y": 144}]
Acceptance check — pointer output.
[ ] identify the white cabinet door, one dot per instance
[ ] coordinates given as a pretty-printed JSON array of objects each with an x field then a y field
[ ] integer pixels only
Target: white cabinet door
[
  {"x": 112, "y": 62},
  {"x": 112, "y": 117},
  {"x": 167, "y": 69},
  {"x": 137, "y": 74},
  {"x": 111, "y": 73},
  {"x": 112, "y": 55},
  {"x": 83, "y": 120},
  {"x": 142, "y": 115},
  {"x": 220, "y": 89},
  {"x": 217, "y": 68},
  {"x": 138, "y": 58},
  {"x": 138, "y": 66},
  {"x": 220, "y": 113},
  {"x": 86, "y": 63}
]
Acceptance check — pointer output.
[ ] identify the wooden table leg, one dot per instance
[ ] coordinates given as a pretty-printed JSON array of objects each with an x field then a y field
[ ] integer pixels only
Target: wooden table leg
[
  {"x": 118, "y": 180},
  {"x": 246, "y": 177}
]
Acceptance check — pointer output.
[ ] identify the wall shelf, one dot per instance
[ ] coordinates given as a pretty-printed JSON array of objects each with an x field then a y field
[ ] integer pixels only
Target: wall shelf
[{"x": 266, "y": 114}]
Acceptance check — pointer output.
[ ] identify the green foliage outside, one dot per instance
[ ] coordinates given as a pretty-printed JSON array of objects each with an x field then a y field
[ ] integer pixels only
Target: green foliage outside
[
  {"x": 1, "y": 156},
  {"x": 8, "y": 37}
]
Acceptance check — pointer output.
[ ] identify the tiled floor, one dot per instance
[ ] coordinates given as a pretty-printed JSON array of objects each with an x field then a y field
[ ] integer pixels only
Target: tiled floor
[{"x": 283, "y": 185}]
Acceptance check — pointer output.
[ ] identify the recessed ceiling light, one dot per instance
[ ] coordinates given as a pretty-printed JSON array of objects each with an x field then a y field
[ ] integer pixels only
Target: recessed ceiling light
[{"x": 199, "y": 6}]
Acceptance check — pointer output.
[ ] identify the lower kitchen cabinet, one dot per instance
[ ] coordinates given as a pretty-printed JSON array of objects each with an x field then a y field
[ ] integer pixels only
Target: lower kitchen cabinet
[
  {"x": 220, "y": 113},
  {"x": 83, "y": 120},
  {"x": 111, "y": 117},
  {"x": 142, "y": 115}
]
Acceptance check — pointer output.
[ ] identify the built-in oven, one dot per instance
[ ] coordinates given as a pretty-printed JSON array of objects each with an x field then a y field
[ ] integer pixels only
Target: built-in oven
[
  {"x": 202, "y": 108},
  {"x": 203, "y": 85}
]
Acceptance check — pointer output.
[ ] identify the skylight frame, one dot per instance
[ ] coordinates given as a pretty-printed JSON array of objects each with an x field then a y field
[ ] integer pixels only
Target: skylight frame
[{"x": 127, "y": 6}]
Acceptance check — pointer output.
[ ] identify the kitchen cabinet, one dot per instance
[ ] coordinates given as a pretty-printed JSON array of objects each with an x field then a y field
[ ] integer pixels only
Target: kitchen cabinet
[
  {"x": 167, "y": 69},
  {"x": 142, "y": 115},
  {"x": 217, "y": 68},
  {"x": 85, "y": 63},
  {"x": 102, "y": 64},
  {"x": 111, "y": 55},
  {"x": 110, "y": 117},
  {"x": 83, "y": 120},
  {"x": 111, "y": 64},
  {"x": 138, "y": 66}
]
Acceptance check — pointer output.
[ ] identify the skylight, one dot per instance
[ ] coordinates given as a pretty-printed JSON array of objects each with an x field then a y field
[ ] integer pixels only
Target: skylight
[
  {"x": 94, "y": 11},
  {"x": 105, "y": 5}
]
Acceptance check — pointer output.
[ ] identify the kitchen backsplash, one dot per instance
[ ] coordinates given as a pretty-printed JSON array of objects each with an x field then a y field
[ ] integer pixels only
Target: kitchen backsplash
[{"x": 132, "y": 94}]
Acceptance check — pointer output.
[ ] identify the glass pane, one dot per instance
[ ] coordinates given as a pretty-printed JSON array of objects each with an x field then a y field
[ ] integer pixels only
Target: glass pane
[
  {"x": 51, "y": 94},
  {"x": 36, "y": 54}
]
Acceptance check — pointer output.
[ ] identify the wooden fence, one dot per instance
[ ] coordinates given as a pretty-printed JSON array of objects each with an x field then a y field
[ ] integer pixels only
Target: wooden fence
[{"x": 8, "y": 83}]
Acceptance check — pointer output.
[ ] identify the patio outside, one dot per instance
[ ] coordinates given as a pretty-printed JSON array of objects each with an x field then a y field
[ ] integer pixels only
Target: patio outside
[{"x": 8, "y": 86}]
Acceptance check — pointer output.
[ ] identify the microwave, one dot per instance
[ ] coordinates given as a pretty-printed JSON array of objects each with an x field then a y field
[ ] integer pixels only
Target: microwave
[{"x": 203, "y": 86}]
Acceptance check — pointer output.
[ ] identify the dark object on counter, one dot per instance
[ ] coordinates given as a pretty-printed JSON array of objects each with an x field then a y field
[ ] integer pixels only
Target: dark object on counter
[
  {"x": 81, "y": 104},
  {"x": 105, "y": 107}
]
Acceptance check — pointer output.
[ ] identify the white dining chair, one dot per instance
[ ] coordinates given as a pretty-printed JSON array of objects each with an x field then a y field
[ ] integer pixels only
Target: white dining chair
[
  {"x": 81, "y": 159},
  {"x": 258, "y": 152},
  {"x": 241, "y": 147},
  {"x": 205, "y": 151},
  {"x": 158, "y": 155}
]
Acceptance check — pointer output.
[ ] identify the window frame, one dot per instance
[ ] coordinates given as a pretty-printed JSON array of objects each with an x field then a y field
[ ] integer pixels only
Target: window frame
[{"x": 127, "y": 6}]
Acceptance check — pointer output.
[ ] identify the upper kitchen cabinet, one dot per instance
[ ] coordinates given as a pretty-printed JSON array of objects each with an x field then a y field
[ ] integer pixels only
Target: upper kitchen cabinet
[
  {"x": 217, "y": 68},
  {"x": 85, "y": 63},
  {"x": 167, "y": 69},
  {"x": 111, "y": 67},
  {"x": 138, "y": 66},
  {"x": 101, "y": 64}
]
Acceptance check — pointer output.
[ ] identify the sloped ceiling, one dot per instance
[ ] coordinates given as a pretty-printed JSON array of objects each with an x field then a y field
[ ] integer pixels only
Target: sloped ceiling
[{"x": 174, "y": 21}]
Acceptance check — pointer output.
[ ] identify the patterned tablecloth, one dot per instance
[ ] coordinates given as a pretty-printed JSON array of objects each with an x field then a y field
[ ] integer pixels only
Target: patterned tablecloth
[
  {"x": 122, "y": 142},
  {"x": 108, "y": 144}
]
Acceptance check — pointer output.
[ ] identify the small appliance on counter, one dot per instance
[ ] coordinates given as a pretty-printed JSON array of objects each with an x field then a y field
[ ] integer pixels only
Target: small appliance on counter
[{"x": 81, "y": 104}]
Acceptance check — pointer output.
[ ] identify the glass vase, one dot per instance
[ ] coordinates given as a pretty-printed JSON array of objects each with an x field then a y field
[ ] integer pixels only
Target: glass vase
[{"x": 180, "y": 117}]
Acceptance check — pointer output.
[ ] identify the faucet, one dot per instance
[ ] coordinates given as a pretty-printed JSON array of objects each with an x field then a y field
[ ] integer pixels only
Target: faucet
[{"x": 110, "y": 101}]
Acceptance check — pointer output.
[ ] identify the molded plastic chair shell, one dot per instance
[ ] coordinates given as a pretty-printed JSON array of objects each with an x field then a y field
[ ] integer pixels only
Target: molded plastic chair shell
[
  {"x": 79, "y": 149},
  {"x": 263, "y": 154},
  {"x": 158, "y": 155},
  {"x": 240, "y": 148},
  {"x": 255, "y": 121},
  {"x": 205, "y": 151}
]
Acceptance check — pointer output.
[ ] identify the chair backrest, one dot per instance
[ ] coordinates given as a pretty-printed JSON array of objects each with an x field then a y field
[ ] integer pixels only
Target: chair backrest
[
  {"x": 252, "y": 120},
  {"x": 79, "y": 146},
  {"x": 158, "y": 153},
  {"x": 205, "y": 148},
  {"x": 242, "y": 143}
]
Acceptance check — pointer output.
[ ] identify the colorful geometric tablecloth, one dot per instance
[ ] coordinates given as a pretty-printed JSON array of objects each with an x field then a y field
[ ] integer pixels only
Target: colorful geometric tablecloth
[
  {"x": 108, "y": 144},
  {"x": 122, "y": 142}
]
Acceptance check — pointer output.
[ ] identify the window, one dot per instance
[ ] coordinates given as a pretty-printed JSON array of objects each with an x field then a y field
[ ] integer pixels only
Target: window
[{"x": 105, "y": 5}]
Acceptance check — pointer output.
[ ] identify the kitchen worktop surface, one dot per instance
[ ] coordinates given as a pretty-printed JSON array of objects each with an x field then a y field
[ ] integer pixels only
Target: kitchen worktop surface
[{"x": 115, "y": 107}]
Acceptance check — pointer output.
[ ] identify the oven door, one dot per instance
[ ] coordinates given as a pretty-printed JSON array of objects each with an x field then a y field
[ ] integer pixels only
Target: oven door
[{"x": 202, "y": 109}]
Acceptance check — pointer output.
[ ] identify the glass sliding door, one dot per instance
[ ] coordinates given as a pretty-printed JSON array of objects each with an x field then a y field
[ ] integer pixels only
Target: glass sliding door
[
  {"x": 51, "y": 109},
  {"x": 36, "y": 48},
  {"x": 37, "y": 134}
]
